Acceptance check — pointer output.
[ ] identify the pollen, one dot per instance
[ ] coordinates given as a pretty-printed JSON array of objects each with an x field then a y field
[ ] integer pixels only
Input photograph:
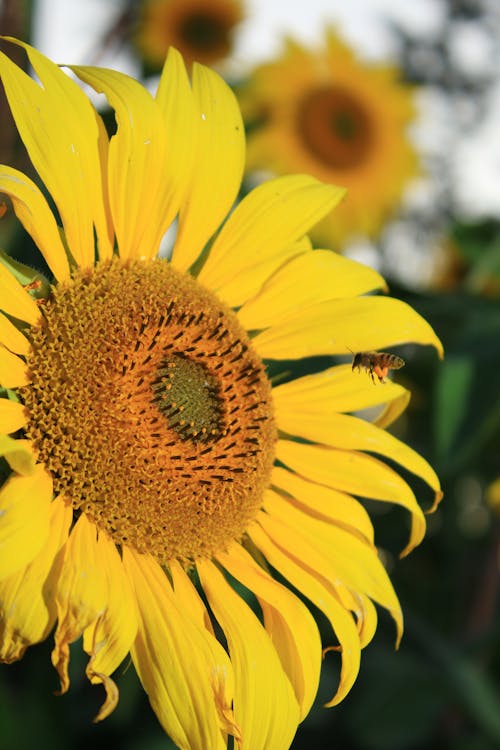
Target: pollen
[{"x": 150, "y": 409}]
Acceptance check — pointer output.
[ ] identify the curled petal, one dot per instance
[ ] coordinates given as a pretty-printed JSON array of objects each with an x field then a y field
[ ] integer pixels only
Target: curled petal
[
  {"x": 265, "y": 707},
  {"x": 109, "y": 638},
  {"x": 190, "y": 673},
  {"x": 81, "y": 593},
  {"x": 26, "y": 597},
  {"x": 289, "y": 623},
  {"x": 281, "y": 555}
]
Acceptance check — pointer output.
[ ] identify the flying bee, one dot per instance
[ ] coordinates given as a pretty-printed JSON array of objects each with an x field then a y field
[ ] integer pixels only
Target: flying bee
[{"x": 377, "y": 363}]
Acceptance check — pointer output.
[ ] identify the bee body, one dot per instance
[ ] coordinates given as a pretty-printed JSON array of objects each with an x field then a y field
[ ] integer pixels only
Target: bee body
[{"x": 377, "y": 363}]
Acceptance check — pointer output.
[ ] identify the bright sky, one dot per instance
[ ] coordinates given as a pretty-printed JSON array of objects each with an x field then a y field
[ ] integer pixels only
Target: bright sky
[{"x": 64, "y": 29}]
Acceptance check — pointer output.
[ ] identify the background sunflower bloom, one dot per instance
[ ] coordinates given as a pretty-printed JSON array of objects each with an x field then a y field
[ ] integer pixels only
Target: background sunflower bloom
[
  {"x": 201, "y": 30},
  {"x": 148, "y": 453},
  {"x": 327, "y": 113}
]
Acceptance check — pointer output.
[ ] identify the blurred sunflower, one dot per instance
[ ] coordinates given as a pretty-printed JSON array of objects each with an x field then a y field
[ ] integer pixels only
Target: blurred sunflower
[
  {"x": 140, "y": 428},
  {"x": 201, "y": 30},
  {"x": 331, "y": 115}
]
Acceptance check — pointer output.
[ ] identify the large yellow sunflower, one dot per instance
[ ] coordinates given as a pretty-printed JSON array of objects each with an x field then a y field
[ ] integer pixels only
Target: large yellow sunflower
[
  {"x": 149, "y": 456},
  {"x": 327, "y": 113},
  {"x": 201, "y": 30}
]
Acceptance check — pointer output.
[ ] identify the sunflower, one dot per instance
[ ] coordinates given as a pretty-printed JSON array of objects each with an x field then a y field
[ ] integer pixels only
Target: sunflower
[
  {"x": 342, "y": 120},
  {"x": 150, "y": 463},
  {"x": 200, "y": 29}
]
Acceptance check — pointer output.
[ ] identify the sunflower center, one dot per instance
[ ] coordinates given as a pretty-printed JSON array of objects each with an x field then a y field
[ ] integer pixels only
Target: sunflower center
[
  {"x": 206, "y": 34},
  {"x": 150, "y": 409},
  {"x": 335, "y": 127}
]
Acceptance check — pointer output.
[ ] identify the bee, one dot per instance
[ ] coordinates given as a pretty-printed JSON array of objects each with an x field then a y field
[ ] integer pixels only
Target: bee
[{"x": 377, "y": 363}]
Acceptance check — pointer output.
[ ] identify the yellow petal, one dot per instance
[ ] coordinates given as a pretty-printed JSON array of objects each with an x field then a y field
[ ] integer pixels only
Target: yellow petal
[
  {"x": 219, "y": 153},
  {"x": 351, "y": 433},
  {"x": 343, "y": 326},
  {"x": 13, "y": 370},
  {"x": 368, "y": 622},
  {"x": 105, "y": 248},
  {"x": 354, "y": 562},
  {"x": 81, "y": 593},
  {"x": 24, "y": 519},
  {"x": 291, "y": 626},
  {"x": 143, "y": 197},
  {"x": 58, "y": 126},
  {"x": 182, "y": 668},
  {"x": 34, "y": 213},
  {"x": 262, "y": 226},
  {"x": 18, "y": 454},
  {"x": 12, "y": 338},
  {"x": 188, "y": 598},
  {"x": 393, "y": 410},
  {"x": 26, "y": 597},
  {"x": 264, "y": 703},
  {"x": 109, "y": 638},
  {"x": 15, "y": 301},
  {"x": 308, "y": 581},
  {"x": 324, "y": 502},
  {"x": 243, "y": 286},
  {"x": 13, "y": 416},
  {"x": 305, "y": 280},
  {"x": 337, "y": 389},
  {"x": 355, "y": 473},
  {"x": 177, "y": 103}
]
